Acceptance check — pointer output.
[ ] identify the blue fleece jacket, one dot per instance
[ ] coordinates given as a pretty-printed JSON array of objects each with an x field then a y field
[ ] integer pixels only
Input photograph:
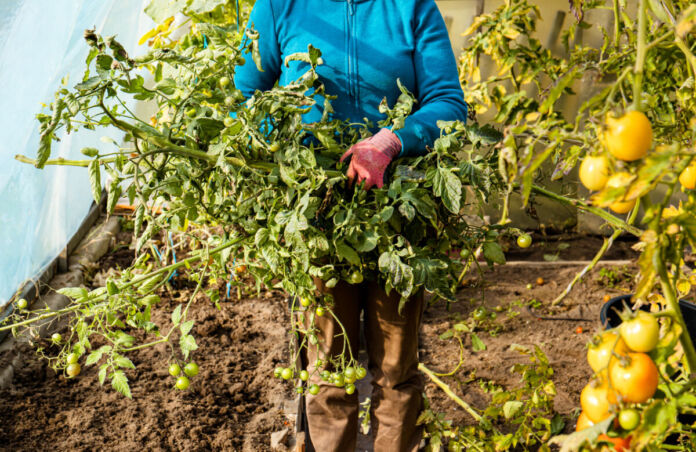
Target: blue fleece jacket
[{"x": 366, "y": 45}]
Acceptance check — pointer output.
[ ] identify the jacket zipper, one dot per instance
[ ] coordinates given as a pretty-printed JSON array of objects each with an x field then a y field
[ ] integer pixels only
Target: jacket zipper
[{"x": 352, "y": 83}]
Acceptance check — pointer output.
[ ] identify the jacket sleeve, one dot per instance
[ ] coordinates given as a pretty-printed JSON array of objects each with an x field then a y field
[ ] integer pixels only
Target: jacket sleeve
[
  {"x": 438, "y": 93},
  {"x": 247, "y": 77}
]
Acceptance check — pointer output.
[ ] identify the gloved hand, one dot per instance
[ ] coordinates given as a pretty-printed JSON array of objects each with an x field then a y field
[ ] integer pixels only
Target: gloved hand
[{"x": 370, "y": 158}]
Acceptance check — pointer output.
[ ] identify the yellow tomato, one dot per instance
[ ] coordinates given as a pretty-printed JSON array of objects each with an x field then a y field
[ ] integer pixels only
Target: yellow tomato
[
  {"x": 688, "y": 177},
  {"x": 603, "y": 349},
  {"x": 620, "y": 180},
  {"x": 628, "y": 137},
  {"x": 596, "y": 400},
  {"x": 594, "y": 172}
]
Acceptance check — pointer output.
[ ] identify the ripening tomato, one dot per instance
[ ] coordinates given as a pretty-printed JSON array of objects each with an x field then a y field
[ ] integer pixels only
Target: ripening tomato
[
  {"x": 596, "y": 400},
  {"x": 583, "y": 422},
  {"x": 635, "y": 377},
  {"x": 620, "y": 180},
  {"x": 629, "y": 137},
  {"x": 524, "y": 240},
  {"x": 594, "y": 172},
  {"x": 73, "y": 370},
  {"x": 688, "y": 177},
  {"x": 641, "y": 333},
  {"x": 602, "y": 348},
  {"x": 620, "y": 444}
]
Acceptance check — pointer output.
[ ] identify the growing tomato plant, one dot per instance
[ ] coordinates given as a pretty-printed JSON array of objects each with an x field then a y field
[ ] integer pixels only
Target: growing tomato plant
[{"x": 638, "y": 129}]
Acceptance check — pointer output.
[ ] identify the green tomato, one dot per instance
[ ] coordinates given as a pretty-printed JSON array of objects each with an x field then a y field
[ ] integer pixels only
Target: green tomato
[
  {"x": 286, "y": 374},
  {"x": 319, "y": 311},
  {"x": 229, "y": 101},
  {"x": 278, "y": 372},
  {"x": 325, "y": 375},
  {"x": 224, "y": 82},
  {"x": 174, "y": 369},
  {"x": 305, "y": 302},
  {"x": 22, "y": 303},
  {"x": 182, "y": 383},
  {"x": 524, "y": 241},
  {"x": 56, "y": 338},
  {"x": 360, "y": 372},
  {"x": 275, "y": 147},
  {"x": 464, "y": 253},
  {"x": 72, "y": 358},
  {"x": 191, "y": 112},
  {"x": 191, "y": 369},
  {"x": 304, "y": 375},
  {"x": 629, "y": 419},
  {"x": 480, "y": 314},
  {"x": 228, "y": 121},
  {"x": 350, "y": 388},
  {"x": 338, "y": 379},
  {"x": 349, "y": 372},
  {"x": 314, "y": 389},
  {"x": 355, "y": 278}
]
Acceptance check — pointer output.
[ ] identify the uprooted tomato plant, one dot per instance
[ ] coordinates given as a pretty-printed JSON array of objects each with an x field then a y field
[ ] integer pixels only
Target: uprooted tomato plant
[{"x": 250, "y": 186}]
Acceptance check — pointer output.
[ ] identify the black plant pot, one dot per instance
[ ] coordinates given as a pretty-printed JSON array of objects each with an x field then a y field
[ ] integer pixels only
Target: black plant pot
[{"x": 610, "y": 319}]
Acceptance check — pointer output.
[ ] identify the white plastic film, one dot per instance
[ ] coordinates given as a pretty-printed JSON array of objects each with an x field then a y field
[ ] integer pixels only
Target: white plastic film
[{"x": 41, "y": 42}]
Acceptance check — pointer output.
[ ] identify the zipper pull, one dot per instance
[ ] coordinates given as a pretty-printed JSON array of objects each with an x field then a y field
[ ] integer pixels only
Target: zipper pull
[{"x": 351, "y": 7}]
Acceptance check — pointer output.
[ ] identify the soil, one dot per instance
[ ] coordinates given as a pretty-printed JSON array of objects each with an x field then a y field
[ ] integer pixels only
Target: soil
[{"x": 235, "y": 403}]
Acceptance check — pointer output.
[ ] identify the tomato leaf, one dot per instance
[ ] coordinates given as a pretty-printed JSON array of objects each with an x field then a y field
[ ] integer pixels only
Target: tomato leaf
[
  {"x": 176, "y": 316},
  {"x": 477, "y": 345},
  {"x": 187, "y": 343},
  {"x": 493, "y": 253},
  {"x": 119, "y": 382},
  {"x": 186, "y": 327},
  {"x": 511, "y": 408},
  {"x": 448, "y": 187}
]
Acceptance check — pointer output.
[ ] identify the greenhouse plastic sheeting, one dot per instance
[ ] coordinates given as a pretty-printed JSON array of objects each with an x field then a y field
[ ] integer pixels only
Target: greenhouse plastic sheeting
[{"x": 41, "y": 41}]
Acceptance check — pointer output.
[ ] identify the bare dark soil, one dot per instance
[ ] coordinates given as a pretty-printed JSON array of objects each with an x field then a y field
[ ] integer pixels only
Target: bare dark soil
[{"x": 235, "y": 403}]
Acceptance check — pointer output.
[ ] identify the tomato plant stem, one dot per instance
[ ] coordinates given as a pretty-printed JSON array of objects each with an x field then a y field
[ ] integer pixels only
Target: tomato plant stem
[
  {"x": 617, "y": 23},
  {"x": 449, "y": 392},
  {"x": 605, "y": 246},
  {"x": 140, "y": 278},
  {"x": 673, "y": 306},
  {"x": 608, "y": 242},
  {"x": 640, "y": 56},
  {"x": 603, "y": 214}
]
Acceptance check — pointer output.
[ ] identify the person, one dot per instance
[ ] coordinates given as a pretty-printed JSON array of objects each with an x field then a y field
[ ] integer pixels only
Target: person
[{"x": 366, "y": 46}]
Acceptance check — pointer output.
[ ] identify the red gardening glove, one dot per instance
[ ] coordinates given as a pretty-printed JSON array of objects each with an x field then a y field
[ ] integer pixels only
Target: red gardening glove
[{"x": 370, "y": 158}]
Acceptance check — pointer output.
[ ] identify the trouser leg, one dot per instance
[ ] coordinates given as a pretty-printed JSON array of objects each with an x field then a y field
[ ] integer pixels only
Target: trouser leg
[
  {"x": 332, "y": 414},
  {"x": 392, "y": 347}
]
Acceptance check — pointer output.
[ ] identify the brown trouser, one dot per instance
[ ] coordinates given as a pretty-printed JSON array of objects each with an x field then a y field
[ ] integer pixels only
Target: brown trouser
[{"x": 397, "y": 385}]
